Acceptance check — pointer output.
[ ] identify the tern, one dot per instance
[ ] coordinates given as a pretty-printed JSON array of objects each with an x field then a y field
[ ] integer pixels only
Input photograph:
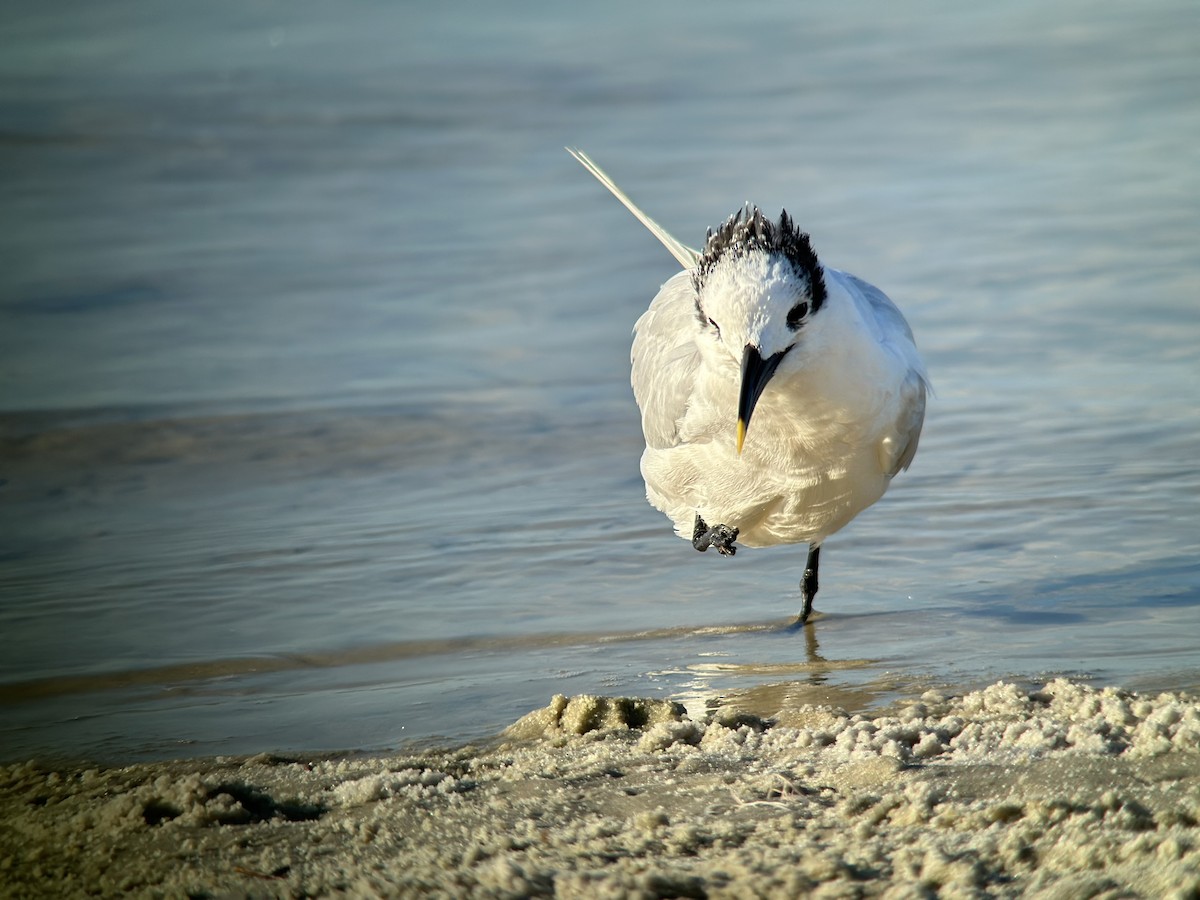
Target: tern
[{"x": 825, "y": 364}]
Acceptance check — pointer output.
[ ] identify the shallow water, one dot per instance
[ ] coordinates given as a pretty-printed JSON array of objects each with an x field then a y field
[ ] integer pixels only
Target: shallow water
[{"x": 315, "y": 428}]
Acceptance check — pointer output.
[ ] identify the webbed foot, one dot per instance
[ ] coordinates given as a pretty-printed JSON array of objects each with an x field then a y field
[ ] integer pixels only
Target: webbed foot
[{"x": 719, "y": 537}]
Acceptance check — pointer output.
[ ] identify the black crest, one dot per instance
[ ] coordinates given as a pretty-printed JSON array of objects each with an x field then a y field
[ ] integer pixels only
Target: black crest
[{"x": 748, "y": 231}]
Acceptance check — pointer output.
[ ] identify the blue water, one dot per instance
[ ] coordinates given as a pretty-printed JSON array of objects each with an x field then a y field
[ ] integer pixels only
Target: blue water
[{"x": 315, "y": 429}]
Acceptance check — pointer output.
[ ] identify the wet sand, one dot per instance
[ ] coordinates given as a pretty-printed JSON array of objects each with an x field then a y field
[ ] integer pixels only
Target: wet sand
[{"x": 1067, "y": 791}]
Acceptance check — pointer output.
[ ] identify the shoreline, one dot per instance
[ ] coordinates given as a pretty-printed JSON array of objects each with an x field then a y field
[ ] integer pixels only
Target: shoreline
[{"x": 1066, "y": 790}]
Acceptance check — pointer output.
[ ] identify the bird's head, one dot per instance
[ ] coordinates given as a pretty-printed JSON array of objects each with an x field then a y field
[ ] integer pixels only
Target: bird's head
[{"x": 758, "y": 287}]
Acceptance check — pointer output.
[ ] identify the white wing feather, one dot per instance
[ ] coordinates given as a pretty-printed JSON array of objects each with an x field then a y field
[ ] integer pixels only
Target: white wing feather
[
  {"x": 890, "y": 326},
  {"x": 686, "y": 255},
  {"x": 899, "y": 448},
  {"x": 665, "y": 359},
  {"x": 883, "y": 311}
]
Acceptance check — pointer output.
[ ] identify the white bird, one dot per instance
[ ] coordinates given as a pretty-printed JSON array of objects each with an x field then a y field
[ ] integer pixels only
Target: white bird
[{"x": 823, "y": 361}]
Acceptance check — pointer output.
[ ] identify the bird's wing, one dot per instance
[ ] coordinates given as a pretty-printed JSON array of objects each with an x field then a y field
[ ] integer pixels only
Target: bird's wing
[
  {"x": 665, "y": 359},
  {"x": 893, "y": 332},
  {"x": 884, "y": 312},
  {"x": 686, "y": 255},
  {"x": 908, "y": 425}
]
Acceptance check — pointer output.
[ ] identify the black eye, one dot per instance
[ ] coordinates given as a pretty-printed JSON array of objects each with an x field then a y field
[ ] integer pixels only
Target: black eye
[
  {"x": 716, "y": 326},
  {"x": 795, "y": 316}
]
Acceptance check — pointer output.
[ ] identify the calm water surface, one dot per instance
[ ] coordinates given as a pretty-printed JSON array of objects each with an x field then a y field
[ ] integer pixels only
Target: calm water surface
[{"x": 315, "y": 429}]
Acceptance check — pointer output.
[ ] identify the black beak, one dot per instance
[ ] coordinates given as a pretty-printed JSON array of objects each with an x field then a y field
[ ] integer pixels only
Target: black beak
[{"x": 756, "y": 372}]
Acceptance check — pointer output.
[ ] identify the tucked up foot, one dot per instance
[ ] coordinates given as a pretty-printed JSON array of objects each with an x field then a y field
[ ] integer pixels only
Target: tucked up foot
[
  {"x": 808, "y": 584},
  {"x": 719, "y": 537}
]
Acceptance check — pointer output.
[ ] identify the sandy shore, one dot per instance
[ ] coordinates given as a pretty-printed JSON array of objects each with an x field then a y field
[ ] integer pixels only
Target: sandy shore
[{"x": 1067, "y": 792}]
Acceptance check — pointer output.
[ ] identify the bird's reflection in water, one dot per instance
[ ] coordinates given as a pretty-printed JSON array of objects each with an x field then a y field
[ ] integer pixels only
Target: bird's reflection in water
[{"x": 789, "y": 693}]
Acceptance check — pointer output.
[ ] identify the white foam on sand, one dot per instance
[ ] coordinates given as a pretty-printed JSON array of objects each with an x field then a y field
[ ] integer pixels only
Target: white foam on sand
[{"x": 1064, "y": 792}]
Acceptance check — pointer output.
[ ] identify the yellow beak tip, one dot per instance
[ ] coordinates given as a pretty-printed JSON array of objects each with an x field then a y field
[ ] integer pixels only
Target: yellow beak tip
[{"x": 741, "y": 436}]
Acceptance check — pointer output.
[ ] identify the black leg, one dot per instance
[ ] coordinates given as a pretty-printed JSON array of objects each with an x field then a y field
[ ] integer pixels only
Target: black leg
[
  {"x": 808, "y": 584},
  {"x": 719, "y": 536}
]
